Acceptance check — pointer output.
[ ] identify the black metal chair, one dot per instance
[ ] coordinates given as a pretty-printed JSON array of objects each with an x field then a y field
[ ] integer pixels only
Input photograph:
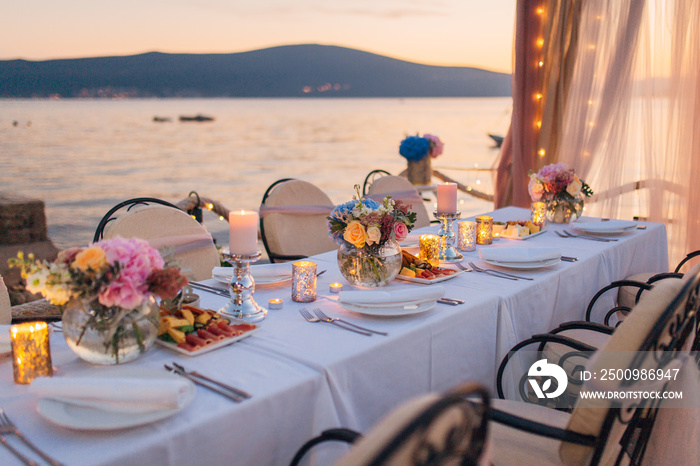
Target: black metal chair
[
  {"x": 371, "y": 177},
  {"x": 128, "y": 204},
  {"x": 662, "y": 329},
  {"x": 293, "y": 220},
  {"x": 428, "y": 430}
]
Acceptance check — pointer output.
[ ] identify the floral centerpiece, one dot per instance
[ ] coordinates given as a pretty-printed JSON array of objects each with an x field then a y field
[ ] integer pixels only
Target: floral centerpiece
[
  {"x": 368, "y": 232},
  {"x": 107, "y": 291},
  {"x": 562, "y": 191},
  {"x": 418, "y": 151}
]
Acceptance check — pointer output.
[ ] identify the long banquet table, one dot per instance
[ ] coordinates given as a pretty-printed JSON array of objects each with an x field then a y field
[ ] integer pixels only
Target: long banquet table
[{"x": 308, "y": 377}]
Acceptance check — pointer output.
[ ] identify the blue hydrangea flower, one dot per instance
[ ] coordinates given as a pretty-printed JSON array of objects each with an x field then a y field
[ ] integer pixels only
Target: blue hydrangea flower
[{"x": 414, "y": 148}]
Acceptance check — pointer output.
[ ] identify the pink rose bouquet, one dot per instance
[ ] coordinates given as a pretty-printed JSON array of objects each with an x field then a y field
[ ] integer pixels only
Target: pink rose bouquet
[{"x": 557, "y": 181}]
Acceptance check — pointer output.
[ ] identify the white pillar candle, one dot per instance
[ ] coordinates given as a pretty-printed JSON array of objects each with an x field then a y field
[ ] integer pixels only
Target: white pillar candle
[
  {"x": 447, "y": 198},
  {"x": 243, "y": 232}
]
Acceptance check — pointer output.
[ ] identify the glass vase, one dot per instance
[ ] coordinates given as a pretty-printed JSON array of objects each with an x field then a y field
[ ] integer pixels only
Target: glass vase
[
  {"x": 102, "y": 335},
  {"x": 420, "y": 172},
  {"x": 563, "y": 210},
  {"x": 373, "y": 268}
]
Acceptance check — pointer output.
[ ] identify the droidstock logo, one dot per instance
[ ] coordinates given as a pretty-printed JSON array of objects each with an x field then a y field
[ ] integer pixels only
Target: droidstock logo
[{"x": 542, "y": 370}]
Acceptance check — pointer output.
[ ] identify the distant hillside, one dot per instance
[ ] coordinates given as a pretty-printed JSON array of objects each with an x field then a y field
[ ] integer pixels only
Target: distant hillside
[{"x": 287, "y": 71}]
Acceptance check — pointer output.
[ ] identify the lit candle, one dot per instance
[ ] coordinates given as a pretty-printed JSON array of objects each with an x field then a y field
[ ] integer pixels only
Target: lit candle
[
  {"x": 466, "y": 236},
  {"x": 447, "y": 198},
  {"x": 31, "y": 355},
  {"x": 243, "y": 232},
  {"x": 429, "y": 249},
  {"x": 275, "y": 304},
  {"x": 336, "y": 287},
  {"x": 484, "y": 229},
  {"x": 538, "y": 213},
  {"x": 303, "y": 281}
]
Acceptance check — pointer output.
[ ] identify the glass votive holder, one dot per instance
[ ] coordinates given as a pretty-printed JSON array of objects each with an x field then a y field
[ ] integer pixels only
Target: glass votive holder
[
  {"x": 429, "y": 249},
  {"x": 303, "y": 281},
  {"x": 31, "y": 354},
  {"x": 466, "y": 236},
  {"x": 538, "y": 212},
  {"x": 484, "y": 229}
]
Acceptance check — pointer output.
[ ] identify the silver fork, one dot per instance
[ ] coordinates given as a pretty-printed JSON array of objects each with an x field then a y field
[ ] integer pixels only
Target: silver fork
[
  {"x": 321, "y": 315},
  {"x": 566, "y": 234},
  {"x": 494, "y": 273},
  {"x": 8, "y": 427},
  {"x": 307, "y": 315},
  {"x": 512, "y": 275}
]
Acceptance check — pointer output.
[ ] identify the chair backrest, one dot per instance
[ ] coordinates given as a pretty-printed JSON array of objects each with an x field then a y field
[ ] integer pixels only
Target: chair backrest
[
  {"x": 431, "y": 429},
  {"x": 400, "y": 188},
  {"x": 5, "y": 306},
  {"x": 180, "y": 238},
  {"x": 293, "y": 220},
  {"x": 662, "y": 325},
  {"x": 371, "y": 178}
]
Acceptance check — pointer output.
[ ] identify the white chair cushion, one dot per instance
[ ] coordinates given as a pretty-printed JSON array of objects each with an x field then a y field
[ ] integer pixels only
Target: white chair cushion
[{"x": 627, "y": 294}]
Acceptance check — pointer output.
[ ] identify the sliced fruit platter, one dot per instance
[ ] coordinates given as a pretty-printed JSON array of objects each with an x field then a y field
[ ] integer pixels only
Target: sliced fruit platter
[
  {"x": 190, "y": 330},
  {"x": 517, "y": 229},
  {"x": 419, "y": 270}
]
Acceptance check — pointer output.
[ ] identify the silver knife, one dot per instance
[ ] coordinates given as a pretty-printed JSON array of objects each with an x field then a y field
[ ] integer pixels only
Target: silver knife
[{"x": 202, "y": 383}]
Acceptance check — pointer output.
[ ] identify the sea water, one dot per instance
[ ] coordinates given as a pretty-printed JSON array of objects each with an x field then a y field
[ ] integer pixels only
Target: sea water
[{"x": 82, "y": 157}]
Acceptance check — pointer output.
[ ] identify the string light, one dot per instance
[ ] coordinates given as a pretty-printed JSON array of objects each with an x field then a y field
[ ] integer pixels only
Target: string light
[
  {"x": 541, "y": 152},
  {"x": 540, "y": 42},
  {"x": 538, "y": 124},
  {"x": 538, "y": 96}
]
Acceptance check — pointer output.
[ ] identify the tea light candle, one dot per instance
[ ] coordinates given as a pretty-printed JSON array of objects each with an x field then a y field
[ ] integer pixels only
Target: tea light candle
[
  {"x": 484, "y": 229},
  {"x": 336, "y": 287},
  {"x": 447, "y": 198},
  {"x": 31, "y": 355},
  {"x": 466, "y": 236},
  {"x": 303, "y": 281},
  {"x": 429, "y": 249},
  {"x": 537, "y": 212},
  {"x": 275, "y": 304},
  {"x": 243, "y": 232}
]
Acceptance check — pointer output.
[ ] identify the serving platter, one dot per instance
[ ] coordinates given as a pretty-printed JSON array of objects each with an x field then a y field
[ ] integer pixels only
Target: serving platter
[
  {"x": 212, "y": 346},
  {"x": 522, "y": 238},
  {"x": 429, "y": 281}
]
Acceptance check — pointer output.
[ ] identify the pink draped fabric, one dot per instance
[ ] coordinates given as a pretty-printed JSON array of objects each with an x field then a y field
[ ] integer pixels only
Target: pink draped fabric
[{"x": 519, "y": 148}]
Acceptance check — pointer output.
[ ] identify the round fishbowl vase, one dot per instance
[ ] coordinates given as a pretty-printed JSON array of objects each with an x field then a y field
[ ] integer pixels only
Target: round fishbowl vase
[
  {"x": 563, "y": 210},
  {"x": 419, "y": 172},
  {"x": 110, "y": 336},
  {"x": 371, "y": 269}
]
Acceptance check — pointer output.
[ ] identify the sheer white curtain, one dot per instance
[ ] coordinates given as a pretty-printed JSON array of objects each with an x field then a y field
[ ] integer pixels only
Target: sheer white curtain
[{"x": 632, "y": 121}]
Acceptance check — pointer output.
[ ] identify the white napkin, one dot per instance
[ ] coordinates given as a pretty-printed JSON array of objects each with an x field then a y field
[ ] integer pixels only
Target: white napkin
[
  {"x": 116, "y": 394},
  {"x": 602, "y": 227},
  {"x": 262, "y": 270},
  {"x": 5, "y": 345},
  {"x": 519, "y": 254},
  {"x": 399, "y": 295}
]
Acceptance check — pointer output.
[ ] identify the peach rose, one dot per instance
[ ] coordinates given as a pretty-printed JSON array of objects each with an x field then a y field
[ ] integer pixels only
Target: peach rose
[
  {"x": 92, "y": 258},
  {"x": 374, "y": 234},
  {"x": 574, "y": 187},
  {"x": 355, "y": 234}
]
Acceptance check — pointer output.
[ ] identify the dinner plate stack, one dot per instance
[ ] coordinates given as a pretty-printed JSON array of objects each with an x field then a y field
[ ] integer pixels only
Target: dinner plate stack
[{"x": 521, "y": 258}]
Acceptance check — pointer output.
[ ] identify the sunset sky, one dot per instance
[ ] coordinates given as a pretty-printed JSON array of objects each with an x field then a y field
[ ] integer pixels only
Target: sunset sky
[{"x": 437, "y": 32}]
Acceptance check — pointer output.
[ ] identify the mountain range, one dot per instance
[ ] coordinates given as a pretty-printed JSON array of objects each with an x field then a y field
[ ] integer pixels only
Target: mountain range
[{"x": 287, "y": 71}]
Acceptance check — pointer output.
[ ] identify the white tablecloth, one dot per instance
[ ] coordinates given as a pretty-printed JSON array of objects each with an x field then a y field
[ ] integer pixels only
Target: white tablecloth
[{"x": 309, "y": 377}]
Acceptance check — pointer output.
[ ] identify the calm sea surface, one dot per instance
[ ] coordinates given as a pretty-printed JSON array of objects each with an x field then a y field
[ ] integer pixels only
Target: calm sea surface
[{"x": 81, "y": 157}]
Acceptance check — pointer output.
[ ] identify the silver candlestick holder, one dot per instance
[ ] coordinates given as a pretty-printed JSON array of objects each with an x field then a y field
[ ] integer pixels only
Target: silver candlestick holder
[
  {"x": 242, "y": 287},
  {"x": 448, "y": 252}
]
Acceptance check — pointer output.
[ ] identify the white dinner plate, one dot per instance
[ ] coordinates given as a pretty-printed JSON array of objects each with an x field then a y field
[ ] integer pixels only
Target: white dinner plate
[
  {"x": 84, "y": 418},
  {"x": 610, "y": 227},
  {"x": 525, "y": 265},
  {"x": 521, "y": 238},
  {"x": 391, "y": 309},
  {"x": 428, "y": 281},
  {"x": 259, "y": 281}
]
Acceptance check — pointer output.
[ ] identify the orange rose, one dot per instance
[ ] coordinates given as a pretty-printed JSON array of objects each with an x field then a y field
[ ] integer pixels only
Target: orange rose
[
  {"x": 355, "y": 234},
  {"x": 92, "y": 258}
]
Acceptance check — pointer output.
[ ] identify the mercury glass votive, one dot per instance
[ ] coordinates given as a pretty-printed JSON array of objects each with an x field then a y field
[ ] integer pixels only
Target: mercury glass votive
[
  {"x": 484, "y": 229},
  {"x": 31, "y": 354},
  {"x": 538, "y": 212},
  {"x": 429, "y": 249},
  {"x": 466, "y": 236},
  {"x": 303, "y": 281}
]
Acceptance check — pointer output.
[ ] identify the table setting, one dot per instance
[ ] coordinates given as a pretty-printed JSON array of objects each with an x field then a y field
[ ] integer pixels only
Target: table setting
[{"x": 324, "y": 347}]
